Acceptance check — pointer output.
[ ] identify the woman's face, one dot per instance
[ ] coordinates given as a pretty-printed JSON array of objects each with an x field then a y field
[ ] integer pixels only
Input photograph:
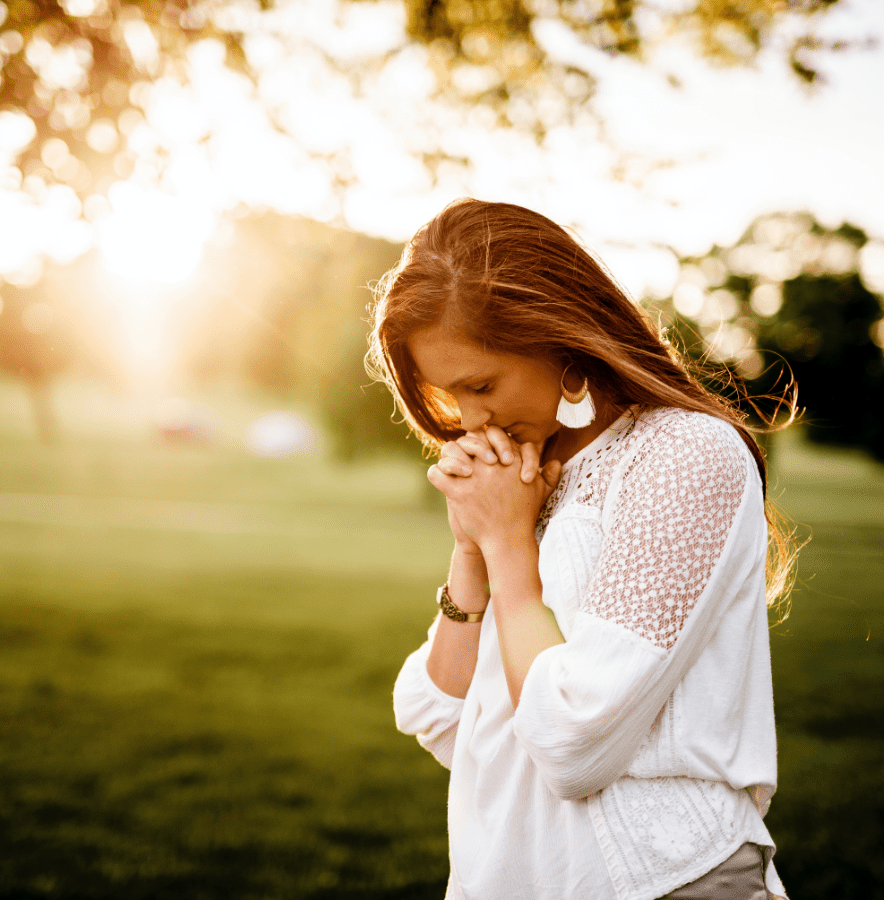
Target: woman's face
[{"x": 517, "y": 393}]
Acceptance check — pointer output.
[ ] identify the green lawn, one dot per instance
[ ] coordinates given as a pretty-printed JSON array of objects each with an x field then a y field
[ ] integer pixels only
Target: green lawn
[
  {"x": 828, "y": 660},
  {"x": 197, "y": 650}
]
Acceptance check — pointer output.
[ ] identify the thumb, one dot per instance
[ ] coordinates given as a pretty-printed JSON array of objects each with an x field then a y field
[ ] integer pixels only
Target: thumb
[{"x": 551, "y": 472}]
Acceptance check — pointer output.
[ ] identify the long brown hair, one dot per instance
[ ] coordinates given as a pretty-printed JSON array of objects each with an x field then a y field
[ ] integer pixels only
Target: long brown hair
[{"x": 511, "y": 281}]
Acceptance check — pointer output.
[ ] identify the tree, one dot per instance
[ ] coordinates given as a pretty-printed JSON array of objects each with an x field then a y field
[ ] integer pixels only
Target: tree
[
  {"x": 301, "y": 329},
  {"x": 34, "y": 346},
  {"x": 824, "y": 331},
  {"x": 794, "y": 299}
]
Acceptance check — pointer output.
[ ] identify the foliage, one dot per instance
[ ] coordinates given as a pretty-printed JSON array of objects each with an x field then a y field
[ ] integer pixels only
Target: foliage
[
  {"x": 360, "y": 414},
  {"x": 794, "y": 299},
  {"x": 76, "y": 81},
  {"x": 498, "y": 52},
  {"x": 80, "y": 70},
  {"x": 305, "y": 289},
  {"x": 279, "y": 301},
  {"x": 824, "y": 332},
  {"x": 732, "y": 32}
]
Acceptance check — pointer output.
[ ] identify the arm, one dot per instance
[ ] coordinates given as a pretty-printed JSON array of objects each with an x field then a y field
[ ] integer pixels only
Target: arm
[
  {"x": 454, "y": 647},
  {"x": 429, "y": 692},
  {"x": 496, "y": 507},
  {"x": 428, "y": 695},
  {"x": 525, "y": 626}
]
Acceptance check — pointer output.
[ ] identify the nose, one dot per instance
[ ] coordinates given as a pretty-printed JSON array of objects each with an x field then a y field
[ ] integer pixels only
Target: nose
[{"x": 473, "y": 415}]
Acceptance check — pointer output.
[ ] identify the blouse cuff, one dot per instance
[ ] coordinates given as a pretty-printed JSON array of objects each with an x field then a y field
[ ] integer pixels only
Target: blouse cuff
[{"x": 420, "y": 705}]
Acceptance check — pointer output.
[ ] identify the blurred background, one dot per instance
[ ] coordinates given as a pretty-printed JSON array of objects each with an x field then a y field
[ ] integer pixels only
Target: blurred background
[{"x": 217, "y": 546}]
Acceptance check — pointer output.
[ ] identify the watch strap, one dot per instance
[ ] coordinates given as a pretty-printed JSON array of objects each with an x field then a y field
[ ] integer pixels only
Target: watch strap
[{"x": 443, "y": 598}]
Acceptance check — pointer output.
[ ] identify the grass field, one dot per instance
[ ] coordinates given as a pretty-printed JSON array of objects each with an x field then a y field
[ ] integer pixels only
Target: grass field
[{"x": 197, "y": 650}]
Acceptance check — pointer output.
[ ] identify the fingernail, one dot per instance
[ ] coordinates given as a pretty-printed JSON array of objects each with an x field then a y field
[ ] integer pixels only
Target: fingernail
[
  {"x": 507, "y": 456},
  {"x": 490, "y": 456},
  {"x": 466, "y": 470}
]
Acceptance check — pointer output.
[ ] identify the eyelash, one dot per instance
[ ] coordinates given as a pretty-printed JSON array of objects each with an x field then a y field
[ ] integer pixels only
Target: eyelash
[{"x": 482, "y": 388}]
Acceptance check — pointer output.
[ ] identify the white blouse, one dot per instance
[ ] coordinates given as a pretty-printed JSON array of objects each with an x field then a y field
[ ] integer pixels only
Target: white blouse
[{"x": 642, "y": 753}]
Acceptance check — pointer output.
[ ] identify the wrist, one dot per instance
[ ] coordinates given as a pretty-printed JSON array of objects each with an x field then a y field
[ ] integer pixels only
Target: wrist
[
  {"x": 468, "y": 579},
  {"x": 468, "y": 548},
  {"x": 512, "y": 567},
  {"x": 507, "y": 546}
]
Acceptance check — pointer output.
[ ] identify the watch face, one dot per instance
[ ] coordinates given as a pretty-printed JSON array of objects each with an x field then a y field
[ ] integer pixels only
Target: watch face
[
  {"x": 447, "y": 606},
  {"x": 451, "y": 611}
]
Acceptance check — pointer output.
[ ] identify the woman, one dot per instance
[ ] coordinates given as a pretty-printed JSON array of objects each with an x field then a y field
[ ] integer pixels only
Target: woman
[{"x": 608, "y": 717}]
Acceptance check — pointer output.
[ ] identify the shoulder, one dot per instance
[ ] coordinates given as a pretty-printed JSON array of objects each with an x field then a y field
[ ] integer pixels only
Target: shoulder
[
  {"x": 695, "y": 447},
  {"x": 668, "y": 428},
  {"x": 665, "y": 422}
]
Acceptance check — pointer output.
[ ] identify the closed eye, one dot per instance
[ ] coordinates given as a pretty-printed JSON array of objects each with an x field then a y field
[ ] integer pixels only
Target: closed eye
[{"x": 482, "y": 388}]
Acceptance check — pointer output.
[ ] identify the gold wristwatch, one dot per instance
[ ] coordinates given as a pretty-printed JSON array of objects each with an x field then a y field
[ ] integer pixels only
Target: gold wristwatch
[{"x": 443, "y": 598}]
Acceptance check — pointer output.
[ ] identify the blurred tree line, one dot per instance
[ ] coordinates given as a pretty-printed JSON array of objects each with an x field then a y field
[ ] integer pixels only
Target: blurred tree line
[
  {"x": 277, "y": 301},
  {"x": 282, "y": 303}
]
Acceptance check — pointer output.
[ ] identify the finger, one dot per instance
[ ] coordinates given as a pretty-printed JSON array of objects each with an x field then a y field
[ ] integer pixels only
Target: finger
[
  {"x": 502, "y": 444},
  {"x": 530, "y": 462},
  {"x": 453, "y": 450},
  {"x": 477, "y": 446},
  {"x": 437, "y": 478},
  {"x": 450, "y": 465},
  {"x": 447, "y": 484}
]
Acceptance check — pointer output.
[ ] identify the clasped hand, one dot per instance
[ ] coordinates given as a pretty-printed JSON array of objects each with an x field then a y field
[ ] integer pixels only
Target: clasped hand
[{"x": 495, "y": 488}]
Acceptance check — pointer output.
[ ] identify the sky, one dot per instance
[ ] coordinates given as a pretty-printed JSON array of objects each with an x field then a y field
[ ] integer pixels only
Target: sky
[
  {"x": 703, "y": 159},
  {"x": 749, "y": 142},
  {"x": 651, "y": 171}
]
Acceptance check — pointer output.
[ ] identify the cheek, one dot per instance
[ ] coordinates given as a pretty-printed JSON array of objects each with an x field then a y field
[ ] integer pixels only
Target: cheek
[{"x": 548, "y": 401}]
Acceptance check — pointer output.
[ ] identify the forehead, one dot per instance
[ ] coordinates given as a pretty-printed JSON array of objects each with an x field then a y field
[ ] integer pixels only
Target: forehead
[{"x": 444, "y": 359}]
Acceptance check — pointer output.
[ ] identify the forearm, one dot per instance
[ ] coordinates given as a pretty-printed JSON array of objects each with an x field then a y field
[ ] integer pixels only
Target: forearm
[
  {"x": 525, "y": 626},
  {"x": 455, "y": 647}
]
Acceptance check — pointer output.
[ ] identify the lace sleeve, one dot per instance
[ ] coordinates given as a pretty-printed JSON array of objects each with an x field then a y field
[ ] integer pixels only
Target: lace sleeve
[{"x": 675, "y": 508}]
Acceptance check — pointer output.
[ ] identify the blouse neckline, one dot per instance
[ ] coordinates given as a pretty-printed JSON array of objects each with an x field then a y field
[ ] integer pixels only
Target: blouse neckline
[{"x": 595, "y": 450}]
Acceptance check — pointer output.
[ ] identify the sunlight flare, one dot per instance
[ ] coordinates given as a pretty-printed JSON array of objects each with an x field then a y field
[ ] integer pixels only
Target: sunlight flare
[{"x": 151, "y": 236}]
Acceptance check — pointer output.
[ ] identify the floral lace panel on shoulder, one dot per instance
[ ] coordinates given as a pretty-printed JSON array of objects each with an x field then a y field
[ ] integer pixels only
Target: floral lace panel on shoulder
[{"x": 675, "y": 510}]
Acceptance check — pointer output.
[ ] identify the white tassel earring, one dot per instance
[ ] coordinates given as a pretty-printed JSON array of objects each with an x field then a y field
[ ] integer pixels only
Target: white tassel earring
[{"x": 576, "y": 410}]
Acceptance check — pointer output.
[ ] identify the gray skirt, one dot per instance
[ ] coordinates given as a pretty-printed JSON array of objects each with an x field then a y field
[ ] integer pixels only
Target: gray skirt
[{"x": 739, "y": 877}]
